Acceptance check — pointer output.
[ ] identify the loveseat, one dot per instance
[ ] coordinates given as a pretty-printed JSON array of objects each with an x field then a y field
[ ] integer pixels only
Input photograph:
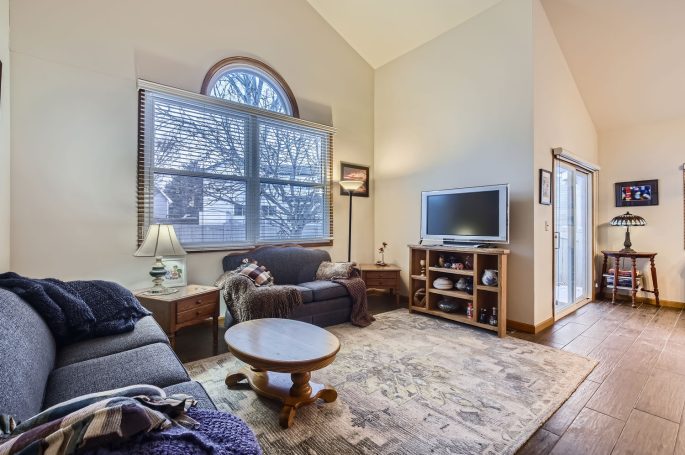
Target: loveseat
[
  {"x": 324, "y": 302},
  {"x": 35, "y": 373}
]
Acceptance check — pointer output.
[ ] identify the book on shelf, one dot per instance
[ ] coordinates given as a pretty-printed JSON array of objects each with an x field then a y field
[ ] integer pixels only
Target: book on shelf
[
  {"x": 628, "y": 282},
  {"x": 623, "y": 273}
]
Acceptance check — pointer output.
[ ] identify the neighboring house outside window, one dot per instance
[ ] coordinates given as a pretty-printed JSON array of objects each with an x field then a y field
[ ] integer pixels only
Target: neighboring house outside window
[{"x": 226, "y": 175}]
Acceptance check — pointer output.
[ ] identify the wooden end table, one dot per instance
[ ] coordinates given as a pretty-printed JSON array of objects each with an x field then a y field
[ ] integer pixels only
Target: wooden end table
[
  {"x": 191, "y": 305},
  {"x": 633, "y": 256},
  {"x": 282, "y": 353},
  {"x": 382, "y": 277}
]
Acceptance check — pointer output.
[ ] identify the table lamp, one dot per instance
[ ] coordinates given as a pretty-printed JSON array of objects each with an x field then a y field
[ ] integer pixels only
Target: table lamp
[
  {"x": 350, "y": 186},
  {"x": 160, "y": 241},
  {"x": 627, "y": 220}
]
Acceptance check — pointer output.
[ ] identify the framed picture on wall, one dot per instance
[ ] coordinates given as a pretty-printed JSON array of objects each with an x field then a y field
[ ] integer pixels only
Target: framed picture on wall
[
  {"x": 545, "y": 187},
  {"x": 350, "y": 171},
  {"x": 637, "y": 193},
  {"x": 176, "y": 272}
]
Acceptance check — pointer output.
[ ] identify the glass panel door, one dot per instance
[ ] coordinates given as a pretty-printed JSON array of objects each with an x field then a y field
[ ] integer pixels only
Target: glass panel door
[{"x": 572, "y": 236}]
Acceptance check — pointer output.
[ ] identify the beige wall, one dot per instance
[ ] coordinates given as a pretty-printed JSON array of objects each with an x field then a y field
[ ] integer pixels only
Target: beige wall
[
  {"x": 641, "y": 153},
  {"x": 457, "y": 112},
  {"x": 5, "y": 137},
  {"x": 560, "y": 120},
  {"x": 74, "y": 123}
]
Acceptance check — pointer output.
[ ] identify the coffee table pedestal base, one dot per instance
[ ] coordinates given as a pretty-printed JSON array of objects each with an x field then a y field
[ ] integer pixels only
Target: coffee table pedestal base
[{"x": 292, "y": 390}]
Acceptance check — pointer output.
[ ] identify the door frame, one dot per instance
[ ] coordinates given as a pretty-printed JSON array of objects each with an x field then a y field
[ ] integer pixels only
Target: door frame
[{"x": 561, "y": 155}]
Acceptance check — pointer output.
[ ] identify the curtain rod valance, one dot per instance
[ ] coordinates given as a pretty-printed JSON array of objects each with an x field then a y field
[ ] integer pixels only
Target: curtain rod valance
[{"x": 565, "y": 155}]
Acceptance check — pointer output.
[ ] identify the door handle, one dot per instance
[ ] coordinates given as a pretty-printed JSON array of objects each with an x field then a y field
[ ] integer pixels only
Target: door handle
[{"x": 556, "y": 240}]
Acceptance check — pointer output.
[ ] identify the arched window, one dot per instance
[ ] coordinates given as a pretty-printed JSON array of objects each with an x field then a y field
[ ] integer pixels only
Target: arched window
[{"x": 249, "y": 81}]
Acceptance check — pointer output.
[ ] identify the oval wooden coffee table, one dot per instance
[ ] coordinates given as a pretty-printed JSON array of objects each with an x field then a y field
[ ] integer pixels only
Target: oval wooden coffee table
[{"x": 282, "y": 353}]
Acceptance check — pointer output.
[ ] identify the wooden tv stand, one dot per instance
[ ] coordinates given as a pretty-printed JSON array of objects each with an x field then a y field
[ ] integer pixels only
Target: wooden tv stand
[{"x": 482, "y": 297}]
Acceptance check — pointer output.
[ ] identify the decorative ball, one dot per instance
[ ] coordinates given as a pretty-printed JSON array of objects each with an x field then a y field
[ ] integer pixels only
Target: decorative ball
[
  {"x": 448, "y": 265},
  {"x": 443, "y": 283},
  {"x": 448, "y": 305}
]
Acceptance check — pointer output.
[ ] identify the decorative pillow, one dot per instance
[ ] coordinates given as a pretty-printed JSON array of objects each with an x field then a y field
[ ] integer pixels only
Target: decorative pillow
[
  {"x": 257, "y": 273},
  {"x": 335, "y": 270}
]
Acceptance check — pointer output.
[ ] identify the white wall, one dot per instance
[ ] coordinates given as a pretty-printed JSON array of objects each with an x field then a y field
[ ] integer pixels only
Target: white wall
[
  {"x": 641, "y": 153},
  {"x": 560, "y": 120},
  {"x": 5, "y": 137},
  {"x": 457, "y": 112},
  {"x": 74, "y": 120}
]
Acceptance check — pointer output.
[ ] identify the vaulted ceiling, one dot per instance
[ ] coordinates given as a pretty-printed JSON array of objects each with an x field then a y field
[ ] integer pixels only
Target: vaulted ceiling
[
  {"x": 382, "y": 30},
  {"x": 627, "y": 56}
]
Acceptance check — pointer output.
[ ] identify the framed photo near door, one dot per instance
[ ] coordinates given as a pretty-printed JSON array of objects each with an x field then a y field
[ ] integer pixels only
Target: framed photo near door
[
  {"x": 637, "y": 193},
  {"x": 545, "y": 187}
]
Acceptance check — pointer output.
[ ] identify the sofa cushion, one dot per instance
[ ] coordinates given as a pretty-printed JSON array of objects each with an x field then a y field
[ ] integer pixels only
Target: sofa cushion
[
  {"x": 324, "y": 313},
  {"x": 287, "y": 264},
  {"x": 154, "y": 364},
  {"x": 146, "y": 331},
  {"x": 324, "y": 290},
  {"x": 306, "y": 293},
  {"x": 27, "y": 355},
  {"x": 193, "y": 389}
]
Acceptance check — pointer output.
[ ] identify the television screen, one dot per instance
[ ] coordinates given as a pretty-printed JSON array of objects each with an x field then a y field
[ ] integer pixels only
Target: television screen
[
  {"x": 477, "y": 214},
  {"x": 467, "y": 214}
]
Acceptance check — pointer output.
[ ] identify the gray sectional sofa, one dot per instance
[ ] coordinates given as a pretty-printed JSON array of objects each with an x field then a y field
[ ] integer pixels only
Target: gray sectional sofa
[
  {"x": 36, "y": 374},
  {"x": 324, "y": 302}
]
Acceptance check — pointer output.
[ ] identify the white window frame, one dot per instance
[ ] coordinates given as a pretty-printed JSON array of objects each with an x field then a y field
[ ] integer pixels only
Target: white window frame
[{"x": 251, "y": 177}]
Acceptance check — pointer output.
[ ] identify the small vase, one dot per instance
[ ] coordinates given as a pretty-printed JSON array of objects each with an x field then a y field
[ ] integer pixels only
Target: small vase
[
  {"x": 461, "y": 284},
  {"x": 489, "y": 277}
]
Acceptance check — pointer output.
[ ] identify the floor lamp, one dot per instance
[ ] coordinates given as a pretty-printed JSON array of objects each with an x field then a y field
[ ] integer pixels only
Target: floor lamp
[{"x": 350, "y": 186}]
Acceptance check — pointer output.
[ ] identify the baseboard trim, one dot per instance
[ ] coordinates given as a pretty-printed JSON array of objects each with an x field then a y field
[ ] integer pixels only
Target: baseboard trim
[
  {"x": 530, "y": 328},
  {"x": 650, "y": 301}
]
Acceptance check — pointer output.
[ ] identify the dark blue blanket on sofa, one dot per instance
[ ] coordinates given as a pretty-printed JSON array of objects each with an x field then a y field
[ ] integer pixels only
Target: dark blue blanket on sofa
[{"x": 77, "y": 310}]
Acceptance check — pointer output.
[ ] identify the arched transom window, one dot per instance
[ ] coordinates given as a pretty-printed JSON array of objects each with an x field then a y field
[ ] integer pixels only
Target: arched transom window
[{"x": 249, "y": 81}]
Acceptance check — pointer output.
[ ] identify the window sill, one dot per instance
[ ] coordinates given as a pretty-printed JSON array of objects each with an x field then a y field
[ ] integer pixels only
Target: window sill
[{"x": 314, "y": 244}]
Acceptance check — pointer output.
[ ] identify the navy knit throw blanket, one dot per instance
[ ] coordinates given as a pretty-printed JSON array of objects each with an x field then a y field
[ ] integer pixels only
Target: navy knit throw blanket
[{"x": 78, "y": 310}]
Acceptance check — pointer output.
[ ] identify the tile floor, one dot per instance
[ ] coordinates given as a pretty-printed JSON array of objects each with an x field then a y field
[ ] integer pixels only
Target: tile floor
[
  {"x": 633, "y": 400},
  {"x": 631, "y": 403}
]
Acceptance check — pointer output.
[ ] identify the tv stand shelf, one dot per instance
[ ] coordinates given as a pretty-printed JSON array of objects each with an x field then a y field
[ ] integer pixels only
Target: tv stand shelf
[{"x": 482, "y": 298}]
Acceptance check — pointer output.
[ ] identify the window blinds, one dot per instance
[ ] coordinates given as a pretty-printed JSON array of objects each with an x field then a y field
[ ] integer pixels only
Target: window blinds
[{"x": 230, "y": 175}]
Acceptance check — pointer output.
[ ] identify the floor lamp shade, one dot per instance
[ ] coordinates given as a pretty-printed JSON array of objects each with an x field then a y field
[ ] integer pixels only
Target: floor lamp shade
[
  {"x": 160, "y": 241},
  {"x": 350, "y": 186}
]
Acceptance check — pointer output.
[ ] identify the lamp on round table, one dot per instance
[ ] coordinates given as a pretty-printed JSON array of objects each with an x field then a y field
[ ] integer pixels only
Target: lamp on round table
[
  {"x": 160, "y": 241},
  {"x": 627, "y": 220},
  {"x": 350, "y": 186}
]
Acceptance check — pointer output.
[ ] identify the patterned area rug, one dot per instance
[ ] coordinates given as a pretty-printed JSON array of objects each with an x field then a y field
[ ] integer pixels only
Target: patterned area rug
[{"x": 411, "y": 384}]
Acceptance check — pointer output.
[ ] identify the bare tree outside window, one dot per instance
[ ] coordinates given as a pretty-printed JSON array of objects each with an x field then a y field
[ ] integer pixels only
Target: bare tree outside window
[
  {"x": 222, "y": 177},
  {"x": 249, "y": 87}
]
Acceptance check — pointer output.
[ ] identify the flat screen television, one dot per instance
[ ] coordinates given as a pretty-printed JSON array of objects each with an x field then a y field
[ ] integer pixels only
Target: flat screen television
[{"x": 466, "y": 215}]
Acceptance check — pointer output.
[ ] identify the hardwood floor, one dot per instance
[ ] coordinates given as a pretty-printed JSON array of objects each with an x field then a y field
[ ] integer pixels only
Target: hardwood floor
[
  {"x": 631, "y": 403},
  {"x": 633, "y": 400}
]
